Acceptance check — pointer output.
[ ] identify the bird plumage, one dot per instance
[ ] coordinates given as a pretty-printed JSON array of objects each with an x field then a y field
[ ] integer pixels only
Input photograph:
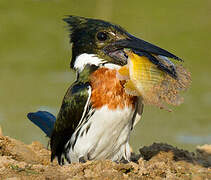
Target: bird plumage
[{"x": 97, "y": 115}]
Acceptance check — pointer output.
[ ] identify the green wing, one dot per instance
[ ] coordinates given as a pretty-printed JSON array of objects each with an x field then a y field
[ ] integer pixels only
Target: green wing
[{"x": 68, "y": 118}]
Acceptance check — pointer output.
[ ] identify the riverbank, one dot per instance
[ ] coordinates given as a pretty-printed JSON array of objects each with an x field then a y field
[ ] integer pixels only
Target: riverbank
[{"x": 159, "y": 161}]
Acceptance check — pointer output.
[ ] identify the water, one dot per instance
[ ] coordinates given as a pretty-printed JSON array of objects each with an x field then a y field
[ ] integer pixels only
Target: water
[{"x": 35, "y": 55}]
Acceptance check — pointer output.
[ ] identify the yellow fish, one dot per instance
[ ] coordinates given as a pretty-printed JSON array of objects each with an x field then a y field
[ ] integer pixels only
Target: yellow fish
[{"x": 154, "y": 86}]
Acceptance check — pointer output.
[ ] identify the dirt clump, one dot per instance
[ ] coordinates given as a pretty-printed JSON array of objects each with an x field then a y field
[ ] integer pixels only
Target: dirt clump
[{"x": 19, "y": 161}]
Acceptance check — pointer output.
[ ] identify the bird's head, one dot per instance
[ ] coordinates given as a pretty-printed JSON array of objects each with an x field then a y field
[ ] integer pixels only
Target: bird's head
[{"x": 103, "y": 44}]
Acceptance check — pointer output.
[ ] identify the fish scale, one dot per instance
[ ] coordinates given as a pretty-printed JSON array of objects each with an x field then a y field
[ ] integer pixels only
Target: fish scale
[{"x": 156, "y": 87}]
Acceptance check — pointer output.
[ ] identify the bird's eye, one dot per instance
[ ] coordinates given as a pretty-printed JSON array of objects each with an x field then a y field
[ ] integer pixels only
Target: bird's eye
[{"x": 102, "y": 36}]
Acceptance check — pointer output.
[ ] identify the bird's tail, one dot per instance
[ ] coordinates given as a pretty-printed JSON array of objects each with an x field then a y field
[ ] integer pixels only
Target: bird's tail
[{"x": 44, "y": 120}]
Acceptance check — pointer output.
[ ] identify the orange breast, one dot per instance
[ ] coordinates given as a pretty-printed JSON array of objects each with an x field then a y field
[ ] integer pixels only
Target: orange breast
[{"x": 108, "y": 90}]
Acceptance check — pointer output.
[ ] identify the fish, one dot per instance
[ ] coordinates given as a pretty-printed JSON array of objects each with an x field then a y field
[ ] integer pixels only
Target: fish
[{"x": 154, "y": 85}]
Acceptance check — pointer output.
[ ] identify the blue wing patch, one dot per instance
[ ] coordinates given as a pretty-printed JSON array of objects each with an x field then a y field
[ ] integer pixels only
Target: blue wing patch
[{"x": 44, "y": 120}]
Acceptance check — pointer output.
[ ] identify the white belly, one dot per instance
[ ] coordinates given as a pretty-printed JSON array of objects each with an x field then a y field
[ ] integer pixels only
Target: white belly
[{"x": 106, "y": 138}]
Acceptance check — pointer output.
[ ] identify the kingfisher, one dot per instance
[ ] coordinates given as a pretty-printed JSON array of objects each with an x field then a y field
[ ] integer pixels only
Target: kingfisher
[{"x": 97, "y": 115}]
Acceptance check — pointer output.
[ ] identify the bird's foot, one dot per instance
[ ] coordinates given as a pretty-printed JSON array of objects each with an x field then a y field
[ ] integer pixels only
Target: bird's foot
[{"x": 82, "y": 160}]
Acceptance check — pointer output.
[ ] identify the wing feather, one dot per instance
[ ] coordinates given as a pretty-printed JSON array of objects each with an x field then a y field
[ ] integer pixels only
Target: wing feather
[{"x": 70, "y": 114}]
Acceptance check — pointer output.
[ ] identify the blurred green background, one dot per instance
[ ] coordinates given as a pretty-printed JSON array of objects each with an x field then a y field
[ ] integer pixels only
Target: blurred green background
[{"x": 35, "y": 55}]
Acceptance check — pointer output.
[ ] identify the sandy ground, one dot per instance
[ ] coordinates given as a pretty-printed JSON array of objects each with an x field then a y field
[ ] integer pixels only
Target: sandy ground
[{"x": 159, "y": 161}]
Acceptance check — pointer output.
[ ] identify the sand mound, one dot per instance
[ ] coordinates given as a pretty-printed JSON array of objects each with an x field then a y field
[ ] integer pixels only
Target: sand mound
[{"x": 20, "y": 161}]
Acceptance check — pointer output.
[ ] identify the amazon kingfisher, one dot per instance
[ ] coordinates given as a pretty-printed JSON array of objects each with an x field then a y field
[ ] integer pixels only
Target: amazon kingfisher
[{"x": 97, "y": 115}]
